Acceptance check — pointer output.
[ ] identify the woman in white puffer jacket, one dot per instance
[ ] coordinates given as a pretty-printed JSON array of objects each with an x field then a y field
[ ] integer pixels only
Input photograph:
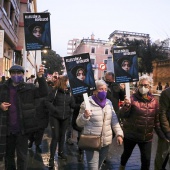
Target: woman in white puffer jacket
[{"x": 92, "y": 122}]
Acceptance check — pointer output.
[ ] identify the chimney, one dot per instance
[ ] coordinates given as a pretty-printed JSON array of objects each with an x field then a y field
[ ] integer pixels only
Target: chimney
[{"x": 92, "y": 36}]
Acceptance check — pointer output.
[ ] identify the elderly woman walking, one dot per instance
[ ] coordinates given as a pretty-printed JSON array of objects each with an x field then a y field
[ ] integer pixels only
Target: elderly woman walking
[
  {"x": 140, "y": 116},
  {"x": 100, "y": 116}
]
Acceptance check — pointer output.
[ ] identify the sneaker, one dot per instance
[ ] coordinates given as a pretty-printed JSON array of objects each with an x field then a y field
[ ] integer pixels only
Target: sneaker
[
  {"x": 62, "y": 156},
  {"x": 30, "y": 145},
  {"x": 69, "y": 141},
  {"x": 51, "y": 163},
  {"x": 38, "y": 149}
]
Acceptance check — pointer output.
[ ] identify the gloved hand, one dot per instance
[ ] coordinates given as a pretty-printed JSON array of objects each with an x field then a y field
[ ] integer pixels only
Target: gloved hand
[{"x": 167, "y": 135}]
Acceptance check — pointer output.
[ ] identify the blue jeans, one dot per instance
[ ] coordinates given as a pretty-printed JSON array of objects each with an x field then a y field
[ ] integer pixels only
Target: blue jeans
[{"x": 96, "y": 158}]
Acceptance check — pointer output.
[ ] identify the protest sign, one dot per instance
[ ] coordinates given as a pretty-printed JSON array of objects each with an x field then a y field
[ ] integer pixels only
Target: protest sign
[
  {"x": 80, "y": 73},
  {"x": 37, "y": 31},
  {"x": 125, "y": 65}
]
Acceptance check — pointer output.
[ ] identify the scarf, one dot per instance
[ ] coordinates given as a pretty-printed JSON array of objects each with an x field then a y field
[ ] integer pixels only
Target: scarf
[{"x": 100, "y": 103}]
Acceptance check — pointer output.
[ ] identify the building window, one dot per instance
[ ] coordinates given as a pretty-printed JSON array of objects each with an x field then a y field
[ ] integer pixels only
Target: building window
[
  {"x": 6, "y": 6},
  {"x": 92, "y": 50},
  {"x": 7, "y": 63},
  {"x": 106, "y": 51},
  {"x": 15, "y": 25},
  {"x": 92, "y": 61},
  {"x": 18, "y": 57},
  {"x": 12, "y": 13},
  {"x": 105, "y": 61}
]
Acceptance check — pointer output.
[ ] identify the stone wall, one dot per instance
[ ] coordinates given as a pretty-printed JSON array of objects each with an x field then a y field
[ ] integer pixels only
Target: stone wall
[{"x": 161, "y": 72}]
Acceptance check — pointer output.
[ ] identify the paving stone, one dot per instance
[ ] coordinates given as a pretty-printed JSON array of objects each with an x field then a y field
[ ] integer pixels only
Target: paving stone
[{"x": 38, "y": 161}]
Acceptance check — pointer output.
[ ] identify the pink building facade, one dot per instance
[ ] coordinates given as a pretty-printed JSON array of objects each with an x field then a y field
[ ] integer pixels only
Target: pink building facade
[{"x": 99, "y": 51}]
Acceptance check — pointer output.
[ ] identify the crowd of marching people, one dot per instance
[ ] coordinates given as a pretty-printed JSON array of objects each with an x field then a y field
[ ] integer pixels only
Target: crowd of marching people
[{"x": 27, "y": 108}]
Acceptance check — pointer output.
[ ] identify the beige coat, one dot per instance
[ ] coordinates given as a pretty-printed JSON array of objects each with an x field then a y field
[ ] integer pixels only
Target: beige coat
[{"x": 93, "y": 125}]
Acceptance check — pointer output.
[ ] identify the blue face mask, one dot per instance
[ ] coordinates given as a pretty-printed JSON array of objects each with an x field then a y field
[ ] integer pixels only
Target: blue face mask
[
  {"x": 102, "y": 95},
  {"x": 17, "y": 79}
]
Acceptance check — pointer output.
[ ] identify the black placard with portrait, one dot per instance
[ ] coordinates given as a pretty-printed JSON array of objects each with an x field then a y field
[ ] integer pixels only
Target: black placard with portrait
[
  {"x": 37, "y": 31},
  {"x": 80, "y": 73},
  {"x": 125, "y": 64}
]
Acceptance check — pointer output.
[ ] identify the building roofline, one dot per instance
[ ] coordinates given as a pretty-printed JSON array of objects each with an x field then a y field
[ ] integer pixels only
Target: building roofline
[{"x": 128, "y": 33}]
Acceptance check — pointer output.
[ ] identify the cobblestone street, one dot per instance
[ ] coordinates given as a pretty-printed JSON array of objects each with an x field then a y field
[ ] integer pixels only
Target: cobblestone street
[{"x": 40, "y": 161}]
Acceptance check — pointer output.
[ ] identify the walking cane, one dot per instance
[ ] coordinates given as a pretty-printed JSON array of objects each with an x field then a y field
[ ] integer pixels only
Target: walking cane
[{"x": 166, "y": 160}]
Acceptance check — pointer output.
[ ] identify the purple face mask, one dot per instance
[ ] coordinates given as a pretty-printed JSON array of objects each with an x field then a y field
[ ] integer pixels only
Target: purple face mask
[
  {"x": 102, "y": 95},
  {"x": 17, "y": 79}
]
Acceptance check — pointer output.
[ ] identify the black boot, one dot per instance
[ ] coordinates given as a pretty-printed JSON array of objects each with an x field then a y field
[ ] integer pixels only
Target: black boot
[{"x": 51, "y": 162}]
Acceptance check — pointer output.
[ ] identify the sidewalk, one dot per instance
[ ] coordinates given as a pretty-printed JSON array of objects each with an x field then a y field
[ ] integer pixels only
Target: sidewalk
[{"x": 40, "y": 161}]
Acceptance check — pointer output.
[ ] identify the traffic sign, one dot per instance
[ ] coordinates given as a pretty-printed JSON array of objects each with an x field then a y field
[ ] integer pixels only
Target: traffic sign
[{"x": 102, "y": 66}]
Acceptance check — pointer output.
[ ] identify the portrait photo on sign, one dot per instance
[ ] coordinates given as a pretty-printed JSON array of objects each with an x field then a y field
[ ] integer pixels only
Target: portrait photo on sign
[
  {"x": 125, "y": 65},
  {"x": 37, "y": 31},
  {"x": 80, "y": 73}
]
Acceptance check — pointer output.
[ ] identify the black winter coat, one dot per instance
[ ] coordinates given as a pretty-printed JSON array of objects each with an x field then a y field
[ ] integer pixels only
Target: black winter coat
[
  {"x": 26, "y": 95},
  {"x": 114, "y": 94},
  {"x": 60, "y": 103},
  {"x": 42, "y": 113},
  {"x": 78, "y": 100}
]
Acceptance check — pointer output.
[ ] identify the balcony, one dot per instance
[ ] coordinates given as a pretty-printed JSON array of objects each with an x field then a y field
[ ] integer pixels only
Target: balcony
[{"x": 6, "y": 25}]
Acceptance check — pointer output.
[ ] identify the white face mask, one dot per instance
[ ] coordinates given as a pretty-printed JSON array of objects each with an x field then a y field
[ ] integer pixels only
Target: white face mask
[{"x": 143, "y": 90}]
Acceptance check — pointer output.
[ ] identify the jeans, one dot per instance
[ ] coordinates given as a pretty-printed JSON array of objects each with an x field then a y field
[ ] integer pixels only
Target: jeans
[
  {"x": 145, "y": 150},
  {"x": 18, "y": 143},
  {"x": 58, "y": 131},
  {"x": 96, "y": 158}
]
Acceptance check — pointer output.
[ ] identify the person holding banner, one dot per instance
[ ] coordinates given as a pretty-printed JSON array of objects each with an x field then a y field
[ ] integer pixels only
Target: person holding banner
[
  {"x": 140, "y": 117},
  {"x": 91, "y": 120},
  {"x": 17, "y": 115}
]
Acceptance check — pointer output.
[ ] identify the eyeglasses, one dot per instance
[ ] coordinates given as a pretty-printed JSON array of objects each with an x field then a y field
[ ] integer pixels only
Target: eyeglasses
[{"x": 145, "y": 85}]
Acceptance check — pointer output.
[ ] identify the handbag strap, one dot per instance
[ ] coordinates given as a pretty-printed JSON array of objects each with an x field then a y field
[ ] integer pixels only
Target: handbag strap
[
  {"x": 55, "y": 95},
  {"x": 103, "y": 123}
]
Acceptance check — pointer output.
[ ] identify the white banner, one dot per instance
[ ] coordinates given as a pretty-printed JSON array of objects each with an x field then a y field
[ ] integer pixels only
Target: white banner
[{"x": 1, "y": 43}]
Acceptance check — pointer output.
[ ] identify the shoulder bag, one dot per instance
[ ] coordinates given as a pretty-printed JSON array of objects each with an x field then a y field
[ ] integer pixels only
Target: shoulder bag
[{"x": 91, "y": 142}]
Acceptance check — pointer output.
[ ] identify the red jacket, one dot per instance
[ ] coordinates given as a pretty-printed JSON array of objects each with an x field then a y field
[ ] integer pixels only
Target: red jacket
[{"x": 140, "y": 119}]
